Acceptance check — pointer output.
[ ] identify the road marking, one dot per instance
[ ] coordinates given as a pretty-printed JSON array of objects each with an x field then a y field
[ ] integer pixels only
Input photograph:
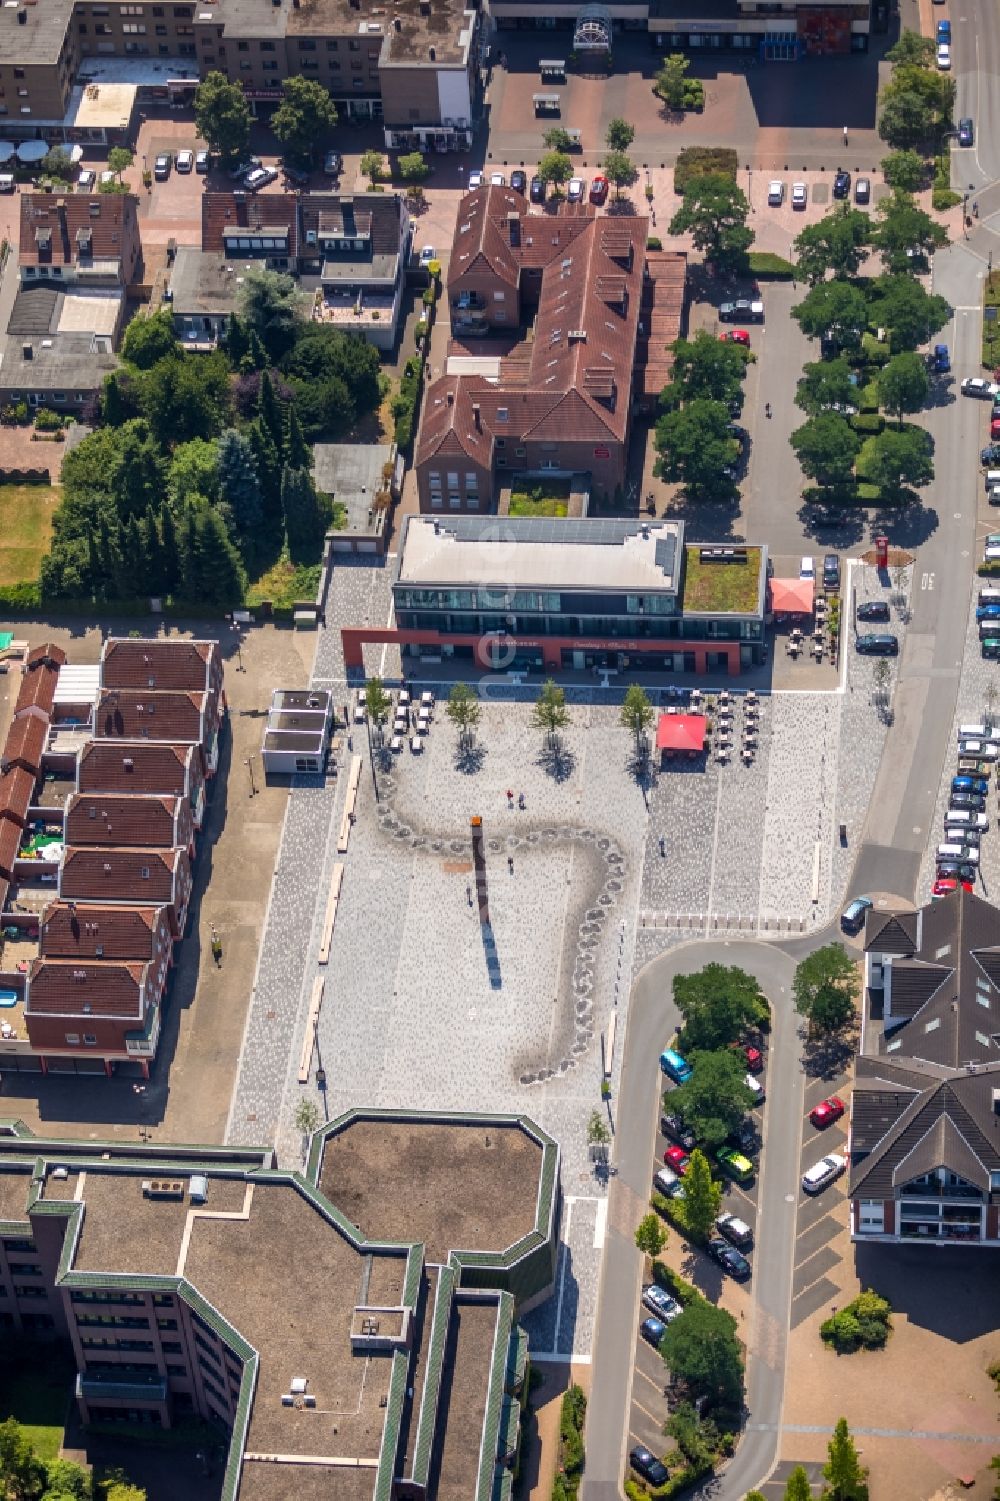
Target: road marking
[
  {"x": 656, "y": 1385},
  {"x": 601, "y": 1223},
  {"x": 927, "y": 579},
  {"x": 657, "y": 1422}
]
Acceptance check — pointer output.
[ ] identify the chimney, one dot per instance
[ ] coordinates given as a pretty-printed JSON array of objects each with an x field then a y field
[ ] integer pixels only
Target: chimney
[
  {"x": 476, "y": 417},
  {"x": 451, "y": 398}
]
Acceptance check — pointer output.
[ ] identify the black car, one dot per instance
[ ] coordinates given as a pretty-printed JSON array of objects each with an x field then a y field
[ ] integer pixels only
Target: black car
[
  {"x": 881, "y": 645},
  {"x": 537, "y": 190},
  {"x": 648, "y": 1466},
  {"x": 730, "y": 1260},
  {"x": 873, "y": 609},
  {"x": 842, "y": 185},
  {"x": 674, "y": 1127},
  {"x": 990, "y": 455},
  {"x": 744, "y": 1137},
  {"x": 951, "y": 870},
  {"x": 295, "y": 175},
  {"x": 966, "y": 132},
  {"x": 519, "y": 181},
  {"x": 974, "y": 801},
  {"x": 831, "y": 571}
]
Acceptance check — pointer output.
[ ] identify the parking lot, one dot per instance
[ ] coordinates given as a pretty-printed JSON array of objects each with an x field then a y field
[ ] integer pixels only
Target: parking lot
[{"x": 820, "y": 1217}]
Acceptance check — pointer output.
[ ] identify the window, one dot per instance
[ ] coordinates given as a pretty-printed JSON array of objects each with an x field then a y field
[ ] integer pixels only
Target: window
[
  {"x": 354, "y": 46},
  {"x": 503, "y": 415},
  {"x": 83, "y": 29},
  {"x": 131, "y": 28},
  {"x": 130, "y": 10},
  {"x": 267, "y": 46},
  {"x": 243, "y": 46},
  {"x": 356, "y": 64},
  {"x": 471, "y": 481},
  {"x": 102, "y": 29},
  {"x": 499, "y": 296},
  {"x": 22, "y": 93},
  {"x": 160, "y": 30},
  {"x": 270, "y": 67},
  {"x": 871, "y": 1217},
  {"x": 331, "y": 46},
  {"x": 144, "y": 872},
  {"x": 73, "y": 1039},
  {"x": 89, "y": 1040},
  {"x": 307, "y": 46},
  {"x": 19, "y": 72}
]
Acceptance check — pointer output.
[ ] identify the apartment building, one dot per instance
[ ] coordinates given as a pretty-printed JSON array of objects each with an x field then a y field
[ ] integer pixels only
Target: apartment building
[
  {"x": 131, "y": 821},
  {"x": 134, "y": 767}
]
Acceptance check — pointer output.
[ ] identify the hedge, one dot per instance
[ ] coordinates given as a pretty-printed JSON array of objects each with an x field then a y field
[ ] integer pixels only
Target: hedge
[
  {"x": 942, "y": 196},
  {"x": 679, "y": 1481},
  {"x": 989, "y": 570},
  {"x": 764, "y": 263},
  {"x": 696, "y": 161},
  {"x": 672, "y": 1210},
  {"x": 875, "y": 352},
  {"x": 677, "y": 1286},
  {"x": 654, "y": 243},
  {"x": 16, "y": 597},
  {"x": 571, "y": 1456},
  {"x": 867, "y": 422},
  {"x": 991, "y": 331}
]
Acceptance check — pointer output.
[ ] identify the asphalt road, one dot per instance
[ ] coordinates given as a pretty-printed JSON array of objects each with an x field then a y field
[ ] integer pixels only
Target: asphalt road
[{"x": 652, "y": 1018}]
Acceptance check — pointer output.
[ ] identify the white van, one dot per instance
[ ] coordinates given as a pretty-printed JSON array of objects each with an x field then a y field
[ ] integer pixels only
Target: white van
[
  {"x": 990, "y": 595},
  {"x": 992, "y": 478},
  {"x": 951, "y": 852},
  {"x": 965, "y": 818},
  {"x": 972, "y": 732}
]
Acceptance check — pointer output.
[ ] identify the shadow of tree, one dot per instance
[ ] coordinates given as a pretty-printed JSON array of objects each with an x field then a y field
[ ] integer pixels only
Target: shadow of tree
[
  {"x": 827, "y": 1057},
  {"x": 469, "y": 758},
  {"x": 557, "y": 760}
]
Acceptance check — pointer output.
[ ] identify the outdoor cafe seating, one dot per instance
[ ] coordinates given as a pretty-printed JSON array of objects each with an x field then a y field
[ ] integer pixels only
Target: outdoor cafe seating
[
  {"x": 416, "y": 744},
  {"x": 396, "y": 743},
  {"x": 404, "y": 697}
]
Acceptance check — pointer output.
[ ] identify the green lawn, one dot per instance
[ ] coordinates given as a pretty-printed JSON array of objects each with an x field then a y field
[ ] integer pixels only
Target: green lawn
[
  {"x": 550, "y": 499},
  {"x": 35, "y": 1388},
  {"x": 25, "y": 528},
  {"x": 721, "y": 587}
]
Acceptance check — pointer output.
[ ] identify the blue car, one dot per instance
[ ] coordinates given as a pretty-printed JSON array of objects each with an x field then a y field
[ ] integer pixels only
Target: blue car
[
  {"x": 944, "y": 33},
  {"x": 970, "y": 784},
  {"x": 652, "y": 1331},
  {"x": 673, "y": 1064},
  {"x": 940, "y": 360},
  {"x": 985, "y": 612}
]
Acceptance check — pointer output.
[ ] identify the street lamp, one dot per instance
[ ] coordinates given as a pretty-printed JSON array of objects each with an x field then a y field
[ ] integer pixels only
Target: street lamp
[{"x": 248, "y": 763}]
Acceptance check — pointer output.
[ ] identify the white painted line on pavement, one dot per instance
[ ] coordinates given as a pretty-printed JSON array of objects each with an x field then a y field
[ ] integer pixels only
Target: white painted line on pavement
[{"x": 601, "y": 1223}]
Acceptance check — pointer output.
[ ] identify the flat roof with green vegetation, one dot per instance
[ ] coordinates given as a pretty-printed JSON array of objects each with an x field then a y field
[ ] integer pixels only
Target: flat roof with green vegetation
[
  {"x": 550, "y": 499},
  {"x": 721, "y": 588}
]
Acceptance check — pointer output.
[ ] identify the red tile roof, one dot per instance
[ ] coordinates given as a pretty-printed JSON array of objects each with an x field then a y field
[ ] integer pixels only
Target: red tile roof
[
  {"x": 164, "y": 665},
  {"x": 37, "y": 689},
  {"x": 26, "y": 741},
  {"x": 78, "y": 930},
  {"x": 140, "y": 715},
  {"x": 10, "y": 843},
  {"x": 116, "y": 875},
  {"x": 663, "y": 295},
  {"x": 132, "y": 822},
  {"x": 139, "y": 766},
  {"x": 222, "y": 211},
  {"x": 54, "y": 237},
  {"x": 17, "y": 787},
  {"x": 375, "y": 215},
  {"x": 68, "y": 988},
  {"x": 49, "y": 652}
]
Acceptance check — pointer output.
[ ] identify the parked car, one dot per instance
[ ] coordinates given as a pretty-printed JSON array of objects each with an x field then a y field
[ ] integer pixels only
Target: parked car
[
  {"x": 988, "y": 612},
  {"x": 943, "y": 33},
  {"x": 185, "y": 161},
  {"x": 807, "y": 568},
  {"x": 776, "y": 193},
  {"x": 599, "y": 189},
  {"x": 989, "y": 456},
  {"x": 667, "y": 1183},
  {"x": 575, "y": 189},
  {"x": 744, "y": 1137},
  {"x": 873, "y": 609},
  {"x": 756, "y": 1089},
  {"x": 333, "y": 165},
  {"x": 427, "y": 254},
  {"x": 673, "y": 1127},
  {"x": 734, "y": 1164},
  {"x": 652, "y": 1470},
  {"x": 652, "y": 1331},
  {"x": 943, "y": 57},
  {"x": 240, "y": 171},
  {"x": 978, "y": 385},
  {"x": 986, "y": 750},
  {"x": 754, "y": 1058},
  {"x": 259, "y": 178},
  {"x": 970, "y": 784},
  {"x": 537, "y": 190},
  {"x": 297, "y": 176},
  {"x": 939, "y": 360},
  {"x": 744, "y": 309},
  {"x": 831, "y": 571},
  {"x": 730, "y": 1260},
  {"x": 475, "y": 180},
  {"x": 202, "y": 162},
  {"x": 956, "y": 870},
  {"x": 800, "y": 195},
  {"x": 884, "y": 645},
  {"x": 973, "y": 800},
  {"x": 497, "y": 180},
  {"x": 162, "y": 165},
  {"x": 824, "y": 1172},
  {"x": 678, "y": 1159},
  {"x": 735, "y": 336},
  {"x": 863, "y": 190},
  {"x": 949, "y": 884},
  {"x": 675, "y": 1066},
  {"x": 519, "y": 181},
  {"x": 966, "y": 131},
  {"x": 85, "y": 181},
  {"x": 852, "y": 919},
  {"x": 826, "y": 1112},
  {"x": 842, "y": 184},
  {"x": 736, "y": 1230},
  {"x": 658, "y": 1301}
]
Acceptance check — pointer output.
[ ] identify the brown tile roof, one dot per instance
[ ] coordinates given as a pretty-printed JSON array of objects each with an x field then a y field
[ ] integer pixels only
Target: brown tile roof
[
  {"x": 37, "y": 689},
  {"x": 163, "y": 665},
  {"x": 98, "y": 875},
  {"x": 480, "y": 241},
  {"x": 26, "y": 741},
  {"x": 129, "y": 822},
  {"x": 139, "y": 715},
  {"x": 663, "y": 295},
  {"x": 77, "y": 930},
  {"x": 10, "y": 843},
  {"x": 49, "y": 652},
  {"x": 17, "y": 788},
  {"x": 54, "y": 237},
  {"x": 222, "y": 211},
  {"x": 65, "y": 987},
  {"x": 138, "y": 766},
  {"x": 376, "y": 214}
]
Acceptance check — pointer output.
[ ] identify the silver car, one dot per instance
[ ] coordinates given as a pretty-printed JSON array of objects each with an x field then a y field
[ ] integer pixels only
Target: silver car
[{"x": 823, "y": 1173}]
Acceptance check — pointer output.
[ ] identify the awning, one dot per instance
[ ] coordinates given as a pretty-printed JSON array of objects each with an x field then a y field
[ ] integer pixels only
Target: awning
[
  {"x": 791, "y": 596},
  {"x": 76, "y": 154},
  {"x": 681, "y": 732},
  {"x": 32, "y": 151}
]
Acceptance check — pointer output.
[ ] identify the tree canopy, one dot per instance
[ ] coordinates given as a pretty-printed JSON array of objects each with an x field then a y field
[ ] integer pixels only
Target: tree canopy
[
  {"x": 837, "y": 243},
  {"x": 905, "y": 231},
  {"x": 556, "y": 167},
  {"x": 701, "y": 1347},
  {"x": 222, "y": 117},
  {"x": 826, "y": 447},
  {"x": 269, "y": 303},
  {"x": 305, "y": 115},
  {"x": 825, "y": 988},
  {"x": 620, "y": 170},
  {"x": 717, "y": 1004},
  {"x": 705, "y": 366},
  {"x": 903, "y": 384},
  {"x": 902, "y": 304},
  {"x": 148, "y": 340},
  {"x": 695, "y": 446},
  {"x": 715, "y": 1099},
  {"x": 557, "y": 138},
  {"x": 826, "y": 384},
  {"x": 714, "y": 212},
  {"x": 843, "y": 1473},
  {"x": 619, "y": 134},
  {"x": 833, "y": 306},
  {"x": 899, "y": 457}
]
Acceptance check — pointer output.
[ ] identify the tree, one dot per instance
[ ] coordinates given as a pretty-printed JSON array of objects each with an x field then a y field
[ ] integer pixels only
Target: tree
[
  {"x": 268, "y": 461},
  {"x": 149, "y": 340},
  {"x": 705, "y": 366},
  {"x": 122, "y": 1490},
  {"x": 305, "y": 522},
  {"x": 905, "y": 170},
  {"x": 372, "y": 166},
  {"x": 270, "y": 411},
  {"x": 120, "y": 158},
  {"x": 377, "y": 702},
  {"x": 239, "y": 485},
  {"x": 825, "y": 988},
  {"x": 843, "y": 1472},
  {"x": 916, "y": 105},
  {"x": 702, "y": 1196},
  {"x": 555, "y": 167},
  {"x": 715, "y": 1099},
  {"x": 620, "y": 170},
  {"x": 186, "y": 396},
  {"x": 896, "y": 458},
  {"x": 550, "y": 712},
  {"x": 308, "y": 1117},
  {"x": 66, "y": 1481},
  {"x": 305, "y": 115},
  {"x": 836, "y": 243},
  {"x": 170, "y": 553},
  {"x": 911, "y": 48},
  {"x": 833, "y": 307},
  {"x": 650, "y": 1236},
  {"x": 413, "y": 167},
  {"x": 714, "y": 213},
  {"x": 194, "y": 470},
  {"x": 824, "y": 385},
  {"x": 557, "y": 138},
  {"x": 295, "y": 451},
  {"x": 903, "y": 385},
  {"x": 463, "y": 710},
  {"x": 695, "y": 446},
  {"x": 619, "y": 134},
  {"x": 696, "y": 1440},
  {"x": 826, "y": 447},
  {"x": 58, "y": 163},
  {"x": 222, "y": 117},
  {"x": 905, "y": 232},
  {"x": 636, "y": 714},
  {"x": 797, "y": 1487},
  {"x": 213, "y": 572},
  {"x": 269, "y": 302},
  {"x": 671, "y": 80},
  {"x": 23, "y": 1473},
  {"x": 717, "y": 1004},
  {"x": 700, "y": 1346},
  {"x": 597, "y": 1131}
]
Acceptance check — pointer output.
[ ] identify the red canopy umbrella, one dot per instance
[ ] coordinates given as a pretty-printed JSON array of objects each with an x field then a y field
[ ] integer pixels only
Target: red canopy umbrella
[
  {"x": 681, "y": 732},
  {"x": 792, "y": 596}
]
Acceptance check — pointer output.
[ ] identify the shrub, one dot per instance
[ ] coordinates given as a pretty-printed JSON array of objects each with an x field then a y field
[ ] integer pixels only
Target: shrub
[
  {"x": 874, "y": 352},
  {"x": 765, "y": 264},
  {"x": 867, "y": 422},
  {"x": 695, "y": 161},
  {"x": 23, "y": 596},
  {"x": 430, "y": 295},
  {"x": 864, "y": 1324},
  {"x": 672, "y": 1282},
  {"x": 694, "y": 94},
  {"x": 420, "y": 330},
  {"x": 47, "y": 421},
  {"x": 654, "y": 243},
  {"x": 868, "y": 397},
  {"x": 985, "y": 570},
  {"x": 942, "y": 196},
  {"x": 571, "y": 1456},
  {"x": 868, "y": 494}
]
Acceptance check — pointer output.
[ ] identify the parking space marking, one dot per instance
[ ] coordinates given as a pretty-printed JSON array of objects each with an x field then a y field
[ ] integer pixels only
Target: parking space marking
[
  {"x": 657, "y": 1422},
  {"x": 600, "y": 1224},
  {"x": 656, "y": 1385}
]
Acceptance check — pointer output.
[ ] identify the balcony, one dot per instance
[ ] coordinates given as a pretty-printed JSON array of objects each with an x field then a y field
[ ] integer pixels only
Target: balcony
[
  {"x": 106, "y": 1388},
  {"x": 467, "y": 302}
]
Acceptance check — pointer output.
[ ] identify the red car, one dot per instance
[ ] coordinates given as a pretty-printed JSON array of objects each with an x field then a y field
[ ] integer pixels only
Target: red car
[
  {"x": 735, "y": 336},
  {"x": 598, "y": 189},
  {"x": 827, "y": 1112},
  {"x": 677, "y": 1158},
  {"x": 754, "y": 1058},
  {"x": 995, "y": 429},
  {"x": 947, "y": 884}
]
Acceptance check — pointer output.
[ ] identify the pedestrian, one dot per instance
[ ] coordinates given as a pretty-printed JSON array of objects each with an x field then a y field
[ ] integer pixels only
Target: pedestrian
[
  {"x": 350, "y": 742},
  {"x": 510, "y": 798},
  {"x": 663, "y": 847},
  {"x": 767, "y": 409},
  {"x": 468, "y": 894},
  {"x": 510, "y": 864},
  {"x": 845, "y": 135},
  {"x": 520, "y": 801}
]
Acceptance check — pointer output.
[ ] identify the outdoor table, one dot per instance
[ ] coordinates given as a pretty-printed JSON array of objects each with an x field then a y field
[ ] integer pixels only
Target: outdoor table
[
  {"x": 359, "y": 715},
  {"x": 424, "y": 718},
  {"x": 427, "y": 697},
  {"x": 396, "y": 743},
  {"x": 416, "y": 744},
  {"x": 404, "y": 696}
]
